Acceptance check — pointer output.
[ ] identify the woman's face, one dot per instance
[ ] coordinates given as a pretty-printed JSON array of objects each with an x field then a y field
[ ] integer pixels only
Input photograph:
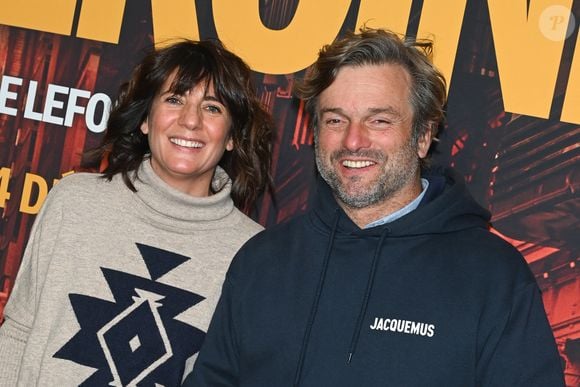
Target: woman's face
[{"x": 187, "y": 135}]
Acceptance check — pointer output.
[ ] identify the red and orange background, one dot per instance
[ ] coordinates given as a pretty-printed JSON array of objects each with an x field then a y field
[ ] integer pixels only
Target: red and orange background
[{"x": 512, "y": 130}]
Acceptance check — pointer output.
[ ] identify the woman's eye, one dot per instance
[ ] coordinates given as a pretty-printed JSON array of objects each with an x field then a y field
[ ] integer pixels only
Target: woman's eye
[
  {"x": 173, "y": 100},
  {"x": 213, "y": 109}
]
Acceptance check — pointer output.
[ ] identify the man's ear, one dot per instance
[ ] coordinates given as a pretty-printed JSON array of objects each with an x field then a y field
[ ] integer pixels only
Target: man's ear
[{"x": 424, "y": 140}]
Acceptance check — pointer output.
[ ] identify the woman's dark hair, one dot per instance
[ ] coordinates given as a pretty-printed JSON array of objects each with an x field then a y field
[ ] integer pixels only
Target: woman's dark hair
[{"x": 248, "y": 164}]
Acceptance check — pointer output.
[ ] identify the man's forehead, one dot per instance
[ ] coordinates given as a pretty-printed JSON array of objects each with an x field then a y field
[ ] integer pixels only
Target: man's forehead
[{"x": 372, "y": 89}]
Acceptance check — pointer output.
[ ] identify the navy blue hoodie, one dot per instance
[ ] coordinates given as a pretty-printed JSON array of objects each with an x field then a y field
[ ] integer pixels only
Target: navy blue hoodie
[{"x": 431, "y": 299}]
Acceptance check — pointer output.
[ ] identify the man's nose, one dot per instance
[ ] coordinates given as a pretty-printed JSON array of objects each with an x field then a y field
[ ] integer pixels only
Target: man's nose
[{"x": 356, "y": 137}]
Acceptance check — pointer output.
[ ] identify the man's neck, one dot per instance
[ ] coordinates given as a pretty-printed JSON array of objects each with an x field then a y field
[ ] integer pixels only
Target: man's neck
[{"x": 363, "y": 216}]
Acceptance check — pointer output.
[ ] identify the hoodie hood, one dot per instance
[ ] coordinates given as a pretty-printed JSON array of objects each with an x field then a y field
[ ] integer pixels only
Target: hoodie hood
[{"x": 447, "y": 207}]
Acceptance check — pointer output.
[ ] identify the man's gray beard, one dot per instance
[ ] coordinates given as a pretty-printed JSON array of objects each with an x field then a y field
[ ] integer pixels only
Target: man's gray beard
[{"x": 395, "y": 174}]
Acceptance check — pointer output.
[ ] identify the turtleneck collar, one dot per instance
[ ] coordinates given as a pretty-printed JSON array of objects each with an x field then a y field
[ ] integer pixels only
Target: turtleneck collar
[{"x": 166, "y": 205}]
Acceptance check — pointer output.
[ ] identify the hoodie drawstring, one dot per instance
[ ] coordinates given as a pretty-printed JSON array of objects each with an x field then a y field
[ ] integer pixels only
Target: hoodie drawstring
[
  {"x": 365, "y": 301},
  {"x": 314, "y": 307}
]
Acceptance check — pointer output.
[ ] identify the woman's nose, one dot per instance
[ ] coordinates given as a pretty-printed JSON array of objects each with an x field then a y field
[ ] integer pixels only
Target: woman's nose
[{"x": 190, "y": 116}]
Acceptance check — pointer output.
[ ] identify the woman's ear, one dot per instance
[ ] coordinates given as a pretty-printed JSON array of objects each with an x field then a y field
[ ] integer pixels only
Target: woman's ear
[
  {"x": 230, "y": 144},
  {"x": 144, "y": 127}
]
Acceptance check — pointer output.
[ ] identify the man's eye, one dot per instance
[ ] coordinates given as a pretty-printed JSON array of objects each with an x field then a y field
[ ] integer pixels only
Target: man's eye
[
  {"x": 333, "y": 121},
  {"x": 380, "y": 123}
]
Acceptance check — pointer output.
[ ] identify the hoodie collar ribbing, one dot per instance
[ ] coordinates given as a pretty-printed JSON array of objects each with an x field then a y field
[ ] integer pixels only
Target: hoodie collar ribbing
[{"x": 450, "y": 207}]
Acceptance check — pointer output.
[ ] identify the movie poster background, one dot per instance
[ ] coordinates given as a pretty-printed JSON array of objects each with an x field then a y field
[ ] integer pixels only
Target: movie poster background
[{"x": 524, "y": 169}]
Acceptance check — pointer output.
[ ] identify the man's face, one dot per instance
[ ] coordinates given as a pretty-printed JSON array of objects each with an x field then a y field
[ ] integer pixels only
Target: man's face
[{"x": 365, "y": 150}]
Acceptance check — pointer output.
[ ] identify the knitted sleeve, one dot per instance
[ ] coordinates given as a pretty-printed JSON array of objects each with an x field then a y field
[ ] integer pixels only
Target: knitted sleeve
[
  {"x": 20, "y": 309},
  {"x": 12, "y": 341}
]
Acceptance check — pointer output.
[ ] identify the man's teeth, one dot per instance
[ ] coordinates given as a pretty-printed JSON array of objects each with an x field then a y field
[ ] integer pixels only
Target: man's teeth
[
  {"x": 357, "y": 164},
  {"x": 186, "y": 143}
]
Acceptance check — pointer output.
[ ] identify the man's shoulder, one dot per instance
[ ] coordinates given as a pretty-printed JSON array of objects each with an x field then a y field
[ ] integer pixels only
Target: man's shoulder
[
  {"x": 485, "y": 239},
  {"x": 489, "y": 255},
  {"x": 283, "y": 232},
  {"x": 274, "y": 243}
]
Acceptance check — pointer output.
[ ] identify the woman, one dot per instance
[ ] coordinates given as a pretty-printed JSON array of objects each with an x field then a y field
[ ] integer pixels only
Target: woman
[{"x": 123, "y": 270}]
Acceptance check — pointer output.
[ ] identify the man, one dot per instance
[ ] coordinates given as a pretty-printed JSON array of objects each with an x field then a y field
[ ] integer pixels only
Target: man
[{"x": 391, "y": 278}]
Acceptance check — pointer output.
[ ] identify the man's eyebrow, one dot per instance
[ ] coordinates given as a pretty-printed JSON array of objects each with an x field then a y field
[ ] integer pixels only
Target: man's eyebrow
[
  {"x": 388, "y": 110},
  {"x": 332, "y": 110}
]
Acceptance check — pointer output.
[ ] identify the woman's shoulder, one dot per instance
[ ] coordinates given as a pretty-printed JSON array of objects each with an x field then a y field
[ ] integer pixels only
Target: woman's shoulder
[
  {"x": 82, "y": 187},
  {"x": 78, "y": 182}
]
